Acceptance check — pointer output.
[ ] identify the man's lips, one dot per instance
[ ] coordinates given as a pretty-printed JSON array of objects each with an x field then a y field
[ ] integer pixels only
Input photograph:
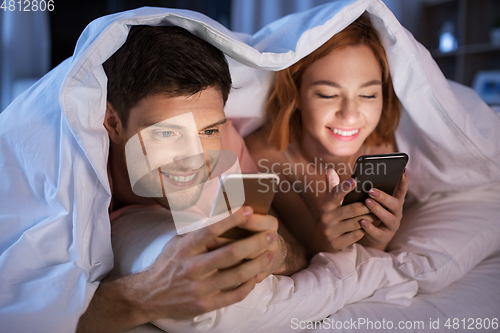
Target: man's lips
[
  {"x": 344, "y": 134},
  {"x": 181, "y": 179}
]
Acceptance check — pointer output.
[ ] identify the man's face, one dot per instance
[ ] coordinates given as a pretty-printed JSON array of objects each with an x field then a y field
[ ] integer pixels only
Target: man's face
[{"x": 171, "y": 144}]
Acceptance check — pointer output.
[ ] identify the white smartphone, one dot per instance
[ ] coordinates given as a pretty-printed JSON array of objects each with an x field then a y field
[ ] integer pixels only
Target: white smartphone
[{"x": 258, "y": 191}]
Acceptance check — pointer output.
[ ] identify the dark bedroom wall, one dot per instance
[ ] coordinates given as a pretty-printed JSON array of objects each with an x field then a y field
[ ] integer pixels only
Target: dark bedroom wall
[{"x": 70, "y": 18}]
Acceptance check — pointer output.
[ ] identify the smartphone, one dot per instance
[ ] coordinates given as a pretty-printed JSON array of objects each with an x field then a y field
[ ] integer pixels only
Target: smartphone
[
  {"x": 376, "y": 171},
  {"x": 258, "y": 190}
]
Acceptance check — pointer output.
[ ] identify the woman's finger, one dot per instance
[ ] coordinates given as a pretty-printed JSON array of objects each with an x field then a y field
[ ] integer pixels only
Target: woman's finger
[
  {"x": 402, "y": 187},
  {"x": 332, "y": 178},
  {"x": 332, "y": 218},
  {"x": 389, "y": 220},
  {"x": 377, "y": 234},
  {"x": 393, "y": 204},
  {"x": 349, "y": 225},
  {"x": 347, "y": 239},
  {"x": 333, "y": 199}
]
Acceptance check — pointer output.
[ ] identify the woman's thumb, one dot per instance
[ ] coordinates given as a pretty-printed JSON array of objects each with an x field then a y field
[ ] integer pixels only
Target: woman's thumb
[{"x": 332, "y": 179}]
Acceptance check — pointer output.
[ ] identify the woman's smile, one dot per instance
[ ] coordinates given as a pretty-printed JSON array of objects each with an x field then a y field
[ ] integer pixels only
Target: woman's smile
[{"x": 344, "y": 134}]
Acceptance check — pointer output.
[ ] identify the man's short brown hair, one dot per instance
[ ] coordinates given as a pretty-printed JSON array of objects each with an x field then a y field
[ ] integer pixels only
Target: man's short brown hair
[{"x": 163, "y": 59}]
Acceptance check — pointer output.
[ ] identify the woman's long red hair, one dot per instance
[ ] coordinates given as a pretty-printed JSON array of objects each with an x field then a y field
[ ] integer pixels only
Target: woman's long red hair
[{"x": 283, "y": 121}]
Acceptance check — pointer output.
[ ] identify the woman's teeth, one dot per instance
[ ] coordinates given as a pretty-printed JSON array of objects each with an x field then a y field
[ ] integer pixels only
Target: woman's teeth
[
  {"x": 345, "y": 133},
  {"x": 182, "y": 179}
]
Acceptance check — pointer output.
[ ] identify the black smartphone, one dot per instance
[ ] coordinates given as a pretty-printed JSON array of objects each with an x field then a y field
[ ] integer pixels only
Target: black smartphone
[{"x": 376, "y": 171}]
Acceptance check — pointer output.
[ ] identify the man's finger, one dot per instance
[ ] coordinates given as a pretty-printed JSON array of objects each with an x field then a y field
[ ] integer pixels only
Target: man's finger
[
  {"x": 196, "y": 241},
  {"x": 258, "y": 223},
  {"x": 231, "y": 254},
  {"x": 239, "y": 274},
  {"x": 226, "y": 298}
]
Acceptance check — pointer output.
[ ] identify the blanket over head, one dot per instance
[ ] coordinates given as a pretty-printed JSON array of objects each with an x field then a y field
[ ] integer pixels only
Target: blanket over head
[{"x": 55, "y": 240}]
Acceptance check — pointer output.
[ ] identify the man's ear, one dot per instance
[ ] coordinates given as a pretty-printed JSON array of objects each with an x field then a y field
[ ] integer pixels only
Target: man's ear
[{"x": 113, "y": 124}]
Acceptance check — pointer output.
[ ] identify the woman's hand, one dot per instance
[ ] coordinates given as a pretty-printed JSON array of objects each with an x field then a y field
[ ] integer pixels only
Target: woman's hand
[
  {"x": 388, "y": 210},
  {"x": 339, "y": 226}
]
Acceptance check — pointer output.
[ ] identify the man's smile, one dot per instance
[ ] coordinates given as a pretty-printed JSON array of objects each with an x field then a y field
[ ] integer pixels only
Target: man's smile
[{"x": 181, "y": 179}]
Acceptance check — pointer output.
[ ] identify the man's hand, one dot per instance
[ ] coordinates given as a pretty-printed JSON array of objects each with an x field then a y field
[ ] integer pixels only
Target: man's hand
[
  {"x": 186, "y": 279},
  {"x": 277, "y": 247}
]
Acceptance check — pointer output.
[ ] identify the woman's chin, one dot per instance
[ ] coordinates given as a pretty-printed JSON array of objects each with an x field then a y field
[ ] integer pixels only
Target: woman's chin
[{"x": 343, "y": 149}]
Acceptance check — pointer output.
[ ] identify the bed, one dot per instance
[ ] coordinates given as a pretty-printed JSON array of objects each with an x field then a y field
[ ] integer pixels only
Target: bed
[
  {"x": 446, "y": 249},
  {"x": 436, "y": 245},
  {"x": 476, "y": 295}
]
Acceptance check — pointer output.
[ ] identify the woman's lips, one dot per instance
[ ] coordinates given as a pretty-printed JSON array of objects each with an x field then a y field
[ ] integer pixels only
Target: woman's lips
[{"x": 344, "y": 134}]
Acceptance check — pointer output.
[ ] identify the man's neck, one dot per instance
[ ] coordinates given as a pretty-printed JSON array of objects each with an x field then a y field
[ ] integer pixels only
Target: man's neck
[{"x": 120, "y": 183}]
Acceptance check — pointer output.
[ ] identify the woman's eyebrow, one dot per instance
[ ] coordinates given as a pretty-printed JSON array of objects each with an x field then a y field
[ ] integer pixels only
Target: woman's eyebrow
[
  {"x": 326, "y": 83},
  {"x": 371, "y": 83},
  {"x": 336, "y": 85}
]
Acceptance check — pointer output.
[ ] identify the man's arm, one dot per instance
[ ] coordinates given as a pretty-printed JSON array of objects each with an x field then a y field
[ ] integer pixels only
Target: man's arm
[
  {"x": 294, "y": 254},
  {"x": 115, "y": 306},
  {"x": 186, "y": 279}
]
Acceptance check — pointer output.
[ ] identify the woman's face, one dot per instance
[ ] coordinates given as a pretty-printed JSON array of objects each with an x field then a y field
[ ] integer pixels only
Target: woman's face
[{"x": 341, "y": 99}]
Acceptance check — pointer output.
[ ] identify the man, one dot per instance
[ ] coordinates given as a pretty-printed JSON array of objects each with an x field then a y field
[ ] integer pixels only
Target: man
[
  {"x": 164, "y": 73},
  {"x": 159, "y": 74}
]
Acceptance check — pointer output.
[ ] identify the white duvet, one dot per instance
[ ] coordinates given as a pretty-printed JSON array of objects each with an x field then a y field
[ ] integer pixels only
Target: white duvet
[{"x": 55, "y": 241}]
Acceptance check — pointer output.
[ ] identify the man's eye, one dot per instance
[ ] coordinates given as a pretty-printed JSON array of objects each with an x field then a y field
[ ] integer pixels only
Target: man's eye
[
  {"x": 210, "y": 132},
  {"x": 166, "y": 134}
]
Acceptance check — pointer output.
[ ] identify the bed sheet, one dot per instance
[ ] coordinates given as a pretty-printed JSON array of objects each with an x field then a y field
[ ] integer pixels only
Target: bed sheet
[{"x": 476, "y": 295}]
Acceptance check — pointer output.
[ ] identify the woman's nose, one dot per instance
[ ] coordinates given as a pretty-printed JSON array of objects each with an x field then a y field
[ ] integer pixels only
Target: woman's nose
[{"x": 348, "y": 112}]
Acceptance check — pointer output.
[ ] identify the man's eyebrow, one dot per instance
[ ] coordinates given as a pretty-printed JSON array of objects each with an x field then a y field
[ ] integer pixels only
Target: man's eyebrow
[
  {"x": 174, "y": 126},
  {"x": 167, "y": 125},
  {"x": 220, "y": 122}
]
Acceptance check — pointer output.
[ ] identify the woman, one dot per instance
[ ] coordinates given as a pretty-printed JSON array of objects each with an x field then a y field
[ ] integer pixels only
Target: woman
[{"x": 326, "y": 110}]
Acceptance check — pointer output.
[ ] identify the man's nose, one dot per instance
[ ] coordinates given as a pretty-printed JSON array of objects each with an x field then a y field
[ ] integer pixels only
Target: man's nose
[{"x": 192, "y": 162}]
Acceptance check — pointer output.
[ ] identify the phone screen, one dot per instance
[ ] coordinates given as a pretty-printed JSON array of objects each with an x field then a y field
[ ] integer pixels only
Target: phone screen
[{"x": 380, "y": 171}]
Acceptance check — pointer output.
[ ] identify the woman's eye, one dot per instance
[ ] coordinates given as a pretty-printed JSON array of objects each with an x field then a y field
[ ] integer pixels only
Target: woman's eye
[
  {"x": 368, "y": 96},
  {"x": 326, "y": 96}
]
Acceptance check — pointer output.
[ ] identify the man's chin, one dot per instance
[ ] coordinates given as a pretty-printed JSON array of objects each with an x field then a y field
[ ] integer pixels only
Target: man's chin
[{"x": 181, "y": 200}]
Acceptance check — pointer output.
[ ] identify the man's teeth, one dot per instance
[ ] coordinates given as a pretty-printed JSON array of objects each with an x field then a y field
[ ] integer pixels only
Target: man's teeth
[
  {"x": 182, "y": 179},
  {"x": 345, "y": 133}
]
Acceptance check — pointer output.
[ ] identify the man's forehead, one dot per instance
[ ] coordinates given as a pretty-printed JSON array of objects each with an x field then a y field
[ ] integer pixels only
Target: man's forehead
[{"x": 204, "y": 108}]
